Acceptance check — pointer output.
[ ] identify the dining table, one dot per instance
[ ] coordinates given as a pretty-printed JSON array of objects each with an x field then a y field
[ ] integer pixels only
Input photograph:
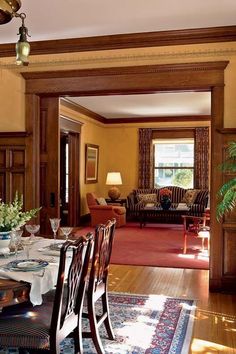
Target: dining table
[{"x": 21, "y": 280}]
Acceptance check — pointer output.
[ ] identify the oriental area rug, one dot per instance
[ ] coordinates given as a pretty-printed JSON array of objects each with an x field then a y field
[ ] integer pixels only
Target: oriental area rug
[
  {"x": 143, "y": 324},
  {"x": 158, "y": 245}
]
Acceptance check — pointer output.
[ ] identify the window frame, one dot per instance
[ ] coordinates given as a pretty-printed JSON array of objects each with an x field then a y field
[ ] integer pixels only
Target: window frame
[{"x": 173, "y": 134}]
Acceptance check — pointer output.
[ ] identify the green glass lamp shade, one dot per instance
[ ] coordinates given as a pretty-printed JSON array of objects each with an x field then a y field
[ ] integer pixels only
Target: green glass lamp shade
[{"x": 22, "y": 53}]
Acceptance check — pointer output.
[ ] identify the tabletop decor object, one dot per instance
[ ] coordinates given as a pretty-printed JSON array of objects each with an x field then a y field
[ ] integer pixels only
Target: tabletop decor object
[
  {"x": 12, "y": 218},
  {"x": 66, "y": 230},
  {"x": 165, "y": 198},
  {"x": 114, "y": 179},
  {"x": 32, "y": 229},
  {"x": 55, "y": 223}
]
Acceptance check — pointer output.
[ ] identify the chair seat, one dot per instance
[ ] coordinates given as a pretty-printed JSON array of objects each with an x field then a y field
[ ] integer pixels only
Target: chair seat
[{"x": 31, "y": 326}]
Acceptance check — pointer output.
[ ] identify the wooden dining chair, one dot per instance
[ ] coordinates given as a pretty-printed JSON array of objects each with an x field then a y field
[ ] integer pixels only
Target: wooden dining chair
[
  {"x": 192, "y": 226},
  {"x": 98, "y": 284},
  {"x": 41, "y": 329}
]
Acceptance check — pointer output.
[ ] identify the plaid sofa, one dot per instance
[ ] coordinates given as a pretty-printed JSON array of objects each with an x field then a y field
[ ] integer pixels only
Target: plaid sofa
[{"x": 197, "y": 208}]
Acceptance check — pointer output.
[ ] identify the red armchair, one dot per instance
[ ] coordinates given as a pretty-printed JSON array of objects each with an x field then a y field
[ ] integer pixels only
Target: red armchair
[{"x": 100, "y": 214}]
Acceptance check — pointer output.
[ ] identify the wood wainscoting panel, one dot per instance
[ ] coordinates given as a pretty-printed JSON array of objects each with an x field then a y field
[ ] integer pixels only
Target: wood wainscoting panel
[
  {"x": 17, "y": 182},
  {"x": 18, "y": 158},
  {"x": 12, "y": 165},
  {"x": 2, "y": 158},
  {"x": 2, "y": 186},
  {"x": 229, "y": 239}
]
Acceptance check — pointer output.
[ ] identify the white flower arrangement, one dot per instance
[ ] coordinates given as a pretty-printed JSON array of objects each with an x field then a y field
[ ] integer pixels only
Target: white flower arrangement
[{"x": 12, "y": 216}]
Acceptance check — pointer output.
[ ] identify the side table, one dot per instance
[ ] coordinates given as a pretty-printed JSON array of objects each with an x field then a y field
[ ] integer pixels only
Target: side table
[{"x": 120, "y": 201}]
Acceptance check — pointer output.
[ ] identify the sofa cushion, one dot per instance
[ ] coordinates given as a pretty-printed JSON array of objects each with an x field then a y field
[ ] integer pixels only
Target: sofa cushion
[
  {"x": 190, "y": 196},
  {"x": 101, "y": 201},
  {"x": 202, "y": 197},
  {"x": 147, "y": 198}
]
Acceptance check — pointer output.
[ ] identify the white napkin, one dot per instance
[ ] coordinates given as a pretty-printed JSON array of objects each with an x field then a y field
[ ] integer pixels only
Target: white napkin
[{"x": 41, "y": 281}]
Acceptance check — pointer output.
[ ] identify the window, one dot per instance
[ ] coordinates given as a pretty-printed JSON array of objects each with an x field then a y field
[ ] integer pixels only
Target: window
[{"x": 173, "y": 162}]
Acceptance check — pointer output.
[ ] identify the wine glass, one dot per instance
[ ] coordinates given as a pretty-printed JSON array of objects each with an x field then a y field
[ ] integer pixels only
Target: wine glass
[
  {"x": 55, "y": 223},
  {"x": 32, "y": 229},
  {"x": 16, "y": 240},
  {"x": 66, "y": 230}
]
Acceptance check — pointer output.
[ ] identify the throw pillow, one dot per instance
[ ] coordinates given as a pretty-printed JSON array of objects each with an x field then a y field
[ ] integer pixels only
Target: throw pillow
[
  {"x": 101, "y": 201},
  {"x": 147, "y": 198},
  {"x": 190, "y": 196}
]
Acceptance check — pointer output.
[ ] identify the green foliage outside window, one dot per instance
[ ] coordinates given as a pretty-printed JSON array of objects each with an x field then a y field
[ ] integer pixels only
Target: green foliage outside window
[{"x": 183, "y": 178}]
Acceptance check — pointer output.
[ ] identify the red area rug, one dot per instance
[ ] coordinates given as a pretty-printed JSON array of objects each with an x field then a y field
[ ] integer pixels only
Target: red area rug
[{"x": 159, "y": 245}]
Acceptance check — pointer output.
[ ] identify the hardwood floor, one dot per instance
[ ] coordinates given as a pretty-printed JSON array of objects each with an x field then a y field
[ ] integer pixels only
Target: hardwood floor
[{"x": 215, "y": 323}]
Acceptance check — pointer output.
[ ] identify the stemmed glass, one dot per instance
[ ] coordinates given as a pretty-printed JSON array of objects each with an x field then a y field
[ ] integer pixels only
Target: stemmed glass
[
  {"x": 32, "y": 229},
  {"x": 66, "y": 230},
  {"x": 16, "y": 240},
  {"x": 55, "y": 223}
]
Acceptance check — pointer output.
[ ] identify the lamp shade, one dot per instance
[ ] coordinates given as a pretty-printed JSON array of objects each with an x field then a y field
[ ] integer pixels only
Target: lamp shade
[{"x": 113, "y": 178}]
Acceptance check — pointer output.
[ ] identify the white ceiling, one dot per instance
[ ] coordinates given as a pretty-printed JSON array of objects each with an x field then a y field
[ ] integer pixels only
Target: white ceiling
[
  {"x": 57, "y": 19},
  {"x": 148, "y": 105}
]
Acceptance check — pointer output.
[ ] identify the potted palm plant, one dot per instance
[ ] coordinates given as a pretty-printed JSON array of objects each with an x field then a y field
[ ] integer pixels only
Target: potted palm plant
[{"x": 227, "y": 192}]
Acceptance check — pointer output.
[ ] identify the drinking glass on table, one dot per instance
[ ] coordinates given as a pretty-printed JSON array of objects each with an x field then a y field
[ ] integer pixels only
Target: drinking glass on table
[
  {"x": 66, "y": 230},
  {"x": 32, "y": 229},
  {"x": 55, "y": 223},
  {"x": 15, "y": 241}
]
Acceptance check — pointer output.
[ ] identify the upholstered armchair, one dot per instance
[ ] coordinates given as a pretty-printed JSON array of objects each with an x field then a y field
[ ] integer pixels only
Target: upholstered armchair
[{"x": 101, "y": 213}]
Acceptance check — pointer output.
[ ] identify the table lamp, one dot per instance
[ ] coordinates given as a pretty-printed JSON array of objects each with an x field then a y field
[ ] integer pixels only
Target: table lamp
[{"x": 113, "y": 179}]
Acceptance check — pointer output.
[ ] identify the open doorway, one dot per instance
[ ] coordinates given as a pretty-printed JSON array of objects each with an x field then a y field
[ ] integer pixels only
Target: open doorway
[{"x": 187, "y": 76}]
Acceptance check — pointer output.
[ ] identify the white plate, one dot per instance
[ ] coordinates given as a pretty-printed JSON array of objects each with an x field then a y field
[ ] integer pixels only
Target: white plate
[{"x": 27, "y": 264}]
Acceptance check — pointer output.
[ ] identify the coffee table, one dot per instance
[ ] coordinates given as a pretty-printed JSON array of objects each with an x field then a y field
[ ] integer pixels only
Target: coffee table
[{"x": 157, "y": 214}]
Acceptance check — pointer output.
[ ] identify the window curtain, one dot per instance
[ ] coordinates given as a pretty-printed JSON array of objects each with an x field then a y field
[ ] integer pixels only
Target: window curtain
[
  {"x": 145, "y": 177},
  {"x": 201, "y": 170}
]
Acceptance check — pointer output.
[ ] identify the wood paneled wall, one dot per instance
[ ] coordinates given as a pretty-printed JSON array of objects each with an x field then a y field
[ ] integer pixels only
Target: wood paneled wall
[
  {"x": 12, "y": 165},
  {"x": 228, "y": 243}
]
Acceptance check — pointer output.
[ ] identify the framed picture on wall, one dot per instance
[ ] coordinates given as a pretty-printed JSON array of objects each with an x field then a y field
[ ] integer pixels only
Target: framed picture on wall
[{"x": 91, "y": 163}]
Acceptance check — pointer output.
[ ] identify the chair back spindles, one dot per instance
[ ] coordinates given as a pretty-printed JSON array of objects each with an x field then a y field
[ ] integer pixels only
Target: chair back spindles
[
  {"x": 69, "y": 294},
  {"x": 104, "y": 236},
  {"x": 97, "y": 287}
]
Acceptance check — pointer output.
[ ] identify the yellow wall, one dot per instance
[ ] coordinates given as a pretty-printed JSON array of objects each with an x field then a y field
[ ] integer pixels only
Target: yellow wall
[
  {"x": 118, "y": 151},
  {"x": 12, "y": 101},
  {"x": 118, "y": 144}
]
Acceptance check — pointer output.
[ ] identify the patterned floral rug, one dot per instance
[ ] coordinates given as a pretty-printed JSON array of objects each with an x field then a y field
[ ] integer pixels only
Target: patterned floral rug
[{"x": 149, "y": 324}]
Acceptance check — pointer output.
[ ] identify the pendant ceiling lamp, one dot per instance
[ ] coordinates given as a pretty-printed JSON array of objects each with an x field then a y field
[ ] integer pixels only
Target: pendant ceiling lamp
[{"x": 8, "y": 10}]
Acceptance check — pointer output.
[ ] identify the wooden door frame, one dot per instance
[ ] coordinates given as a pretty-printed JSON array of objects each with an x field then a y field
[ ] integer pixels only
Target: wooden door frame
[
  {"x": 73, "y": 129},
  {"x": 202, "y": 76}
]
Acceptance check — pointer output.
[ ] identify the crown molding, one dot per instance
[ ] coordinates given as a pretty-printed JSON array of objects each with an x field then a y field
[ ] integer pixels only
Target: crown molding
[
  {"x": 124, "y": 41},
  {"x": 172, "y": 119},
  {"x": 82, "y": 110},
  {"x": 139, "y": 69},
  {"x": 149, "y": 56}
]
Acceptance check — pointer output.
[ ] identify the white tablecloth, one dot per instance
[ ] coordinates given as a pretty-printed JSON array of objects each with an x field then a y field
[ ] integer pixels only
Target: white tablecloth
[{"x": 41, "y": 281}]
